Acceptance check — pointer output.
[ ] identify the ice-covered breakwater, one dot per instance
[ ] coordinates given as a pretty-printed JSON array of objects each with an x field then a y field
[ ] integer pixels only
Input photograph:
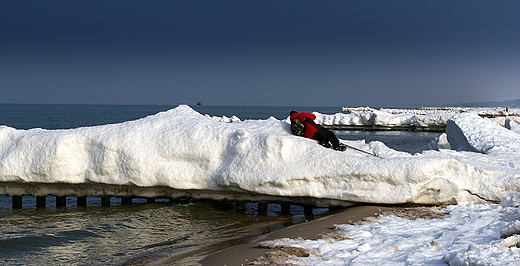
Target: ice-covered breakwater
[
  {"x": 181, "y": 153},
  {"x": 423, "y": 119},
  {"x": 481, "y": 111}
]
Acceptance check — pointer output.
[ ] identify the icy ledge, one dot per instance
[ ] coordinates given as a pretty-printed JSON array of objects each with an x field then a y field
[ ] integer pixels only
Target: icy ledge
[{"x": 183, "y": 150}]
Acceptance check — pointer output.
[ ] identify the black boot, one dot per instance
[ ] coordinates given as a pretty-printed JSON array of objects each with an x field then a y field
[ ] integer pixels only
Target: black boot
[
  {"x": 340, "y": 147},
  {"x": 324, "y": 143}
]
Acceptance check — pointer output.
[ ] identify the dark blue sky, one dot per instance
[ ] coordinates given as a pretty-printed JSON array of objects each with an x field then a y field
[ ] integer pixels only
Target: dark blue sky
[{"x": 289, "y": 53}]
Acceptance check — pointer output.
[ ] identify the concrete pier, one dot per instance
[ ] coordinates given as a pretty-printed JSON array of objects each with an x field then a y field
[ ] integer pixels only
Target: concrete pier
[
  {"x": 127, "y": 192},
  {"x": 262, "y": 208}
]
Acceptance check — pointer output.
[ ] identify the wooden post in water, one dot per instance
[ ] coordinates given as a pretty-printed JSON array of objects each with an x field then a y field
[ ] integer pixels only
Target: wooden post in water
[
  {"x": 105, "y": 201},
  {"x": 126, "y": 201},
  {"x": 61, "y": 202},
  {"x": 307, "y": 211},
  {"x": 262, "y": 208},
  {"x": 41, "y": 202},
  {"x": 17, "y": 202},
  {"x": 285, "y": 208},
  {"x": 81, "y": 201}
]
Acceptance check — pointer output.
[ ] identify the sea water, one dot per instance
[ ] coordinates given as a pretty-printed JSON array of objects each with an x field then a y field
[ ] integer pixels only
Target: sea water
[{"x": 181, "y": 231}]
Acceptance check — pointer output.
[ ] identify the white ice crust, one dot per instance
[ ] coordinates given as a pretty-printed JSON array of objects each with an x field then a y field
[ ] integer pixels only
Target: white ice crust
[
  {"x": 414, "y": 118},
  {"x": 184, "y": 149},
  {"x": 468, "y": 234}
]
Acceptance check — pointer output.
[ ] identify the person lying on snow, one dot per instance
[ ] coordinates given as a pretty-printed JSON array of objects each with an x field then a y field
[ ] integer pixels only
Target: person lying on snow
[{"x": 314, "y": 131}]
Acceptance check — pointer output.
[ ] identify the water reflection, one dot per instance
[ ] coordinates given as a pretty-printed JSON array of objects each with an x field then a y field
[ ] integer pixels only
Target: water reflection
[{"x": 123, "y": 235}]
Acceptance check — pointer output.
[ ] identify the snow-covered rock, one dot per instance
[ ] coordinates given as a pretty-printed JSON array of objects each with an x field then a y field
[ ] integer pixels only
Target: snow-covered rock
[
  {"x": 512, "y": 125},
  {"x": 470, "y": 132}
]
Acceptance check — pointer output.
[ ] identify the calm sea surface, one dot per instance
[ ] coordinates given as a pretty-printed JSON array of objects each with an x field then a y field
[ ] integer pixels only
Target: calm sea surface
[{"x": 178, "y": 233}]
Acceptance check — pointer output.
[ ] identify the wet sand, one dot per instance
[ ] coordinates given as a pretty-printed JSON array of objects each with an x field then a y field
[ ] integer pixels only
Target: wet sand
[{"x": 244, "y": 254}]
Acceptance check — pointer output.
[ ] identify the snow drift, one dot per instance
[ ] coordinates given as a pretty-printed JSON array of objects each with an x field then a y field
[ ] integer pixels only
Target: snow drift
[
  {"x": 183, "y": 149},
  {"x": 463, "y": 234}
]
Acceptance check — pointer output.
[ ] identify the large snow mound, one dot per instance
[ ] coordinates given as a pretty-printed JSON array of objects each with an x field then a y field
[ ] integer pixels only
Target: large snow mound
[{"x": 183, "y": 149}]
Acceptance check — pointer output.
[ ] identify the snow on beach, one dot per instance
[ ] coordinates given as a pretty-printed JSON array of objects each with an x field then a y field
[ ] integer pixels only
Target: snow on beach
[
  {"x": 467, "y": 234},
  {"x": 183, "y": 149}
]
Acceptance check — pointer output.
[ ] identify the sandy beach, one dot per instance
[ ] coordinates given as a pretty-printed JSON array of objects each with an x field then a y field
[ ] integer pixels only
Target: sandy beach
[{"x": 314, "y": 229}]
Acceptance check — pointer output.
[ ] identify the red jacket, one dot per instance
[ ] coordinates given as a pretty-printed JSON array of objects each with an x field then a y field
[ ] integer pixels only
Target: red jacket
[{"x": 310, "y": 127}]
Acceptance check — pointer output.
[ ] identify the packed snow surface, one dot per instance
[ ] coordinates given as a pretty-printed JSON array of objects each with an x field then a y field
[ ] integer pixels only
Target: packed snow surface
[
  {"x": 463, "y": 234},
  {"x": 184, "y": 149}
]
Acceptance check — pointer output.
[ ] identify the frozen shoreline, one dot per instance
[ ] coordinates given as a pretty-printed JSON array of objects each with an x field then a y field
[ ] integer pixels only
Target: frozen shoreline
[
  {"x": 183, "y": 150},
  {"x": 464, "y": 234},
  {"x": 186, "y": 151},
  {"x": 467, "y": 234},
  {"x": 314, "y": 229}
]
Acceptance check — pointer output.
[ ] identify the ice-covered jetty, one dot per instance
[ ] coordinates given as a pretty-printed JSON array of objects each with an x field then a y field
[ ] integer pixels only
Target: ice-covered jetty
[
  {"x": 422, "y": 119},
  {"x": 182, "y": 153}
]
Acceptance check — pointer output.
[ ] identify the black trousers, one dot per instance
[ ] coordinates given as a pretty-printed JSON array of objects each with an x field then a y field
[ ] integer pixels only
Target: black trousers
[{"x": 326, "y": 135}]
